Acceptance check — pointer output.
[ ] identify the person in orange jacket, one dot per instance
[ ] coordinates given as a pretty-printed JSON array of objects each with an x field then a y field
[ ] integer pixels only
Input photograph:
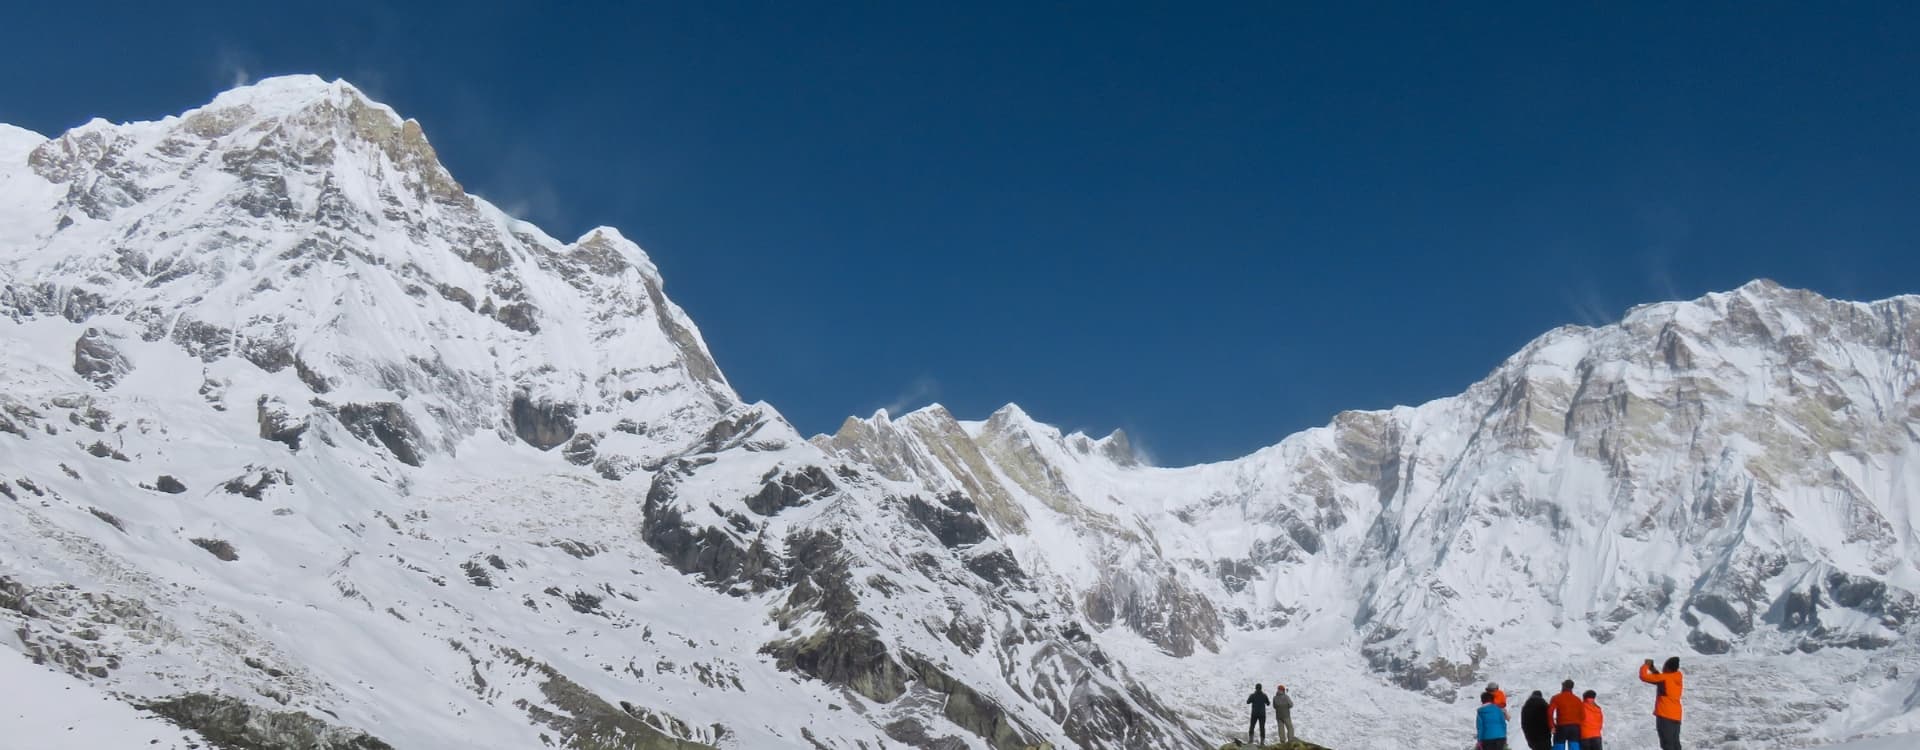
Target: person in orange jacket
[
  {"x": 1668, "y": 684},
  {"x": 1566, "y": 712},
  {"x": 1499, "y": 698},
  {"x": 1592, "y": 722}
]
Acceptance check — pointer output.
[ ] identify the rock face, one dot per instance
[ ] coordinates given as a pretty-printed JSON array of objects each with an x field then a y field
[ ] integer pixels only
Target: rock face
[
  {"x": 97, "y": 359},
  {"x": 1730, "y": 477}
]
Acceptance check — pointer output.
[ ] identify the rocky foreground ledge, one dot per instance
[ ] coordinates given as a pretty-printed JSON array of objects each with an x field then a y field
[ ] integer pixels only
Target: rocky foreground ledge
[{"x": 1294, "y": 745}]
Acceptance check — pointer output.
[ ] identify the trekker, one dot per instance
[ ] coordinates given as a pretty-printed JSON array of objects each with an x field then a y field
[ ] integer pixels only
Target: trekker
[
  {"x": 1668, "y": 684},
  {"x": 1567, "y": 713},
  {"x": 1499, "y": 696},
  {"x": 1259, "y": 703},
  {"x": 1490, "y": 724},
  {"x": 1590, "y": 726},
  {"x": 1283, "y": 713},
  {"x": 1534, "y": 724}
]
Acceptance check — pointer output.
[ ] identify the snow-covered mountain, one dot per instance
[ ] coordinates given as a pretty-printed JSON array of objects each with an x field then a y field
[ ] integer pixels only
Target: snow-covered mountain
[{"x": 303, "y": 446}]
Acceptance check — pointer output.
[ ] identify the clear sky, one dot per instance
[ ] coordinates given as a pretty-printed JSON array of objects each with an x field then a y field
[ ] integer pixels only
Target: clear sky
[{"x": 1212, "y": 226}]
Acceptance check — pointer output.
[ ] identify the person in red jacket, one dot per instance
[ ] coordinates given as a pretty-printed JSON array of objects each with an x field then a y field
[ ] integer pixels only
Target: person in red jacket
[
  {"x": 1566, "y": 712},
  {"x": 1668, "y": 684},
  {"x": 1593, "y": 720}
]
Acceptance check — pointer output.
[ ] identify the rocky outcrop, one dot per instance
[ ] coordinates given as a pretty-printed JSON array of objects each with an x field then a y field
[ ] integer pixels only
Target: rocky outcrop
[
  {"x": 791, "y": 489},
  {"x": 586, "y": 720},
  {"x": 721, "y": 557},
  {"x": 383, "y": 424},
  {"x": 542, "y": 424},
  {"x": 848, "y": 650},
  {"x": 233, "y": 724},
  {"x": 96, "y": 358},
  {"x": 279, "y": 423},
  {"x": 217, "y": 547}
]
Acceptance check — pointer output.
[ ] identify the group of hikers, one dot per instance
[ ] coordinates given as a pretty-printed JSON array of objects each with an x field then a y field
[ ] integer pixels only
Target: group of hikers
[
  {"x": 1567, "y": 722},
  {"x": 1282, "y": 713},
  {"x": 1576, "y": 722}
]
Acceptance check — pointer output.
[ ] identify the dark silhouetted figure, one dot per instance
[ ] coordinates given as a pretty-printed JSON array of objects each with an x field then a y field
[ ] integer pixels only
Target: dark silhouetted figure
[
  {"x": 1534, "y": 724},
  {"x": 1259, "y": 703}
]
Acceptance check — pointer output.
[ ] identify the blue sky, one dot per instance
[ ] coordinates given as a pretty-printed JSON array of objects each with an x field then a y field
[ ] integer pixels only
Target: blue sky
[{"x": 1210, "y": 226}]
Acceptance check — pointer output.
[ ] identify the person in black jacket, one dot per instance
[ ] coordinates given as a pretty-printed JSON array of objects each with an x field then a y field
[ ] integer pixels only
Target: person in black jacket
[
  {"x": 1259, "y": 703},
  {"x": 1533, "y": 722}
]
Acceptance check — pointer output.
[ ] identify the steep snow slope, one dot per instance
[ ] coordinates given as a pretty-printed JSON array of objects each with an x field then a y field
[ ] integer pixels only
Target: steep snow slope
[
  {"x": 302, "y": 446},
  {"x": 46, "y": 708},
  {"x": 1729, "y": 477}
]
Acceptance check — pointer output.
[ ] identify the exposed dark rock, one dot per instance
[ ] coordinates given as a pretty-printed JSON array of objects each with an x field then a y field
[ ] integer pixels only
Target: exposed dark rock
[
  {"x": 1736, "y": 618},
  {"x": 914, "y": 733},
  {"x": 519, "y": 316},
  {"x": 1707, "y": 644},
  {"x": 456, "y": 295},
  {"x": 477, "y": 574},
  {"x": 219, "y": 548},
  {"x": 232, "y": 724},
  {"x": 713, "y": 554},
  {"x": 166, "y": 483},
  {"x": 110, "y": 518},
  {"x": 1234, "y": 574},
  {"x": 542, "y": 425},
  {"x": 737, "y": 431},
  {"x": 997, "y": 567},
  {"x": 100, "y": 450},
  {"x": 693, "y": 355},
  {"x": 315, "y": 381},
  {"x": 584, "y": 603},
  {"x": 794, "y": 488},
  {"x": 277, "y": 422},
  {"x": 1434, "y": 677},
  {"x": 587, "y": 720},
  {"x": 955, "y": 521},
  {"x": 580, "y": 550},
  {"x": 385, "y": 424},
  {"x": 580, "y": 451},
  {"x": 1158, "y": 607},
  {"x": 847, "y": 652},
  {"x": 256, "y": 481},
  {"x": 256, "y": 663},
  {"x": 97, "y": 359},
  {"x": 271, "y": 353},
  {"x": 970, "y": 709},
  {"x": 599, "y": 255},
  {"x": 207, "y": 341}
]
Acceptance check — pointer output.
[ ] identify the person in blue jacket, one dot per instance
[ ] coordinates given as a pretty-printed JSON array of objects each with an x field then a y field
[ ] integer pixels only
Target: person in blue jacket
[{"x": 1492, "y": 724}]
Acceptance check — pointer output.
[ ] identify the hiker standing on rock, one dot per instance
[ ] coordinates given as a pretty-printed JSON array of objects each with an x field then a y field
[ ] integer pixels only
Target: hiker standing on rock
[
  {"x": 1259, "y": 703},
  {"x": 1534, "y": 723},
  {"x": 1283, "y": 714},
  {"x": 1668, "y": 685}
]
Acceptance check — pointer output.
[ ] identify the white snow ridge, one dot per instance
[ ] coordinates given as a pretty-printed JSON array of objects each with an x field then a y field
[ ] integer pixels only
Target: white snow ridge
[{"x": 302, "y": 446}]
